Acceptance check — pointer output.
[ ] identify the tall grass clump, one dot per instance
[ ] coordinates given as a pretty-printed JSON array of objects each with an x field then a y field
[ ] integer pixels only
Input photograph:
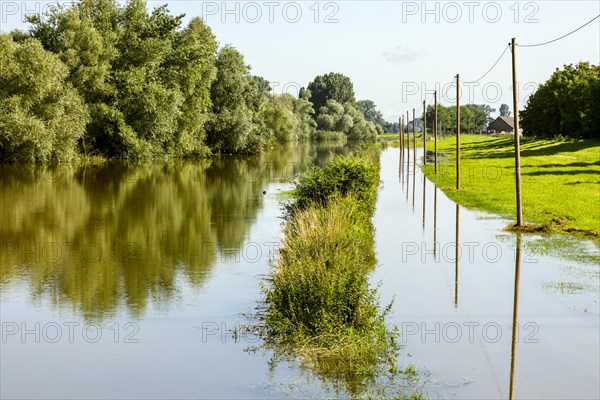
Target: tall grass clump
[
  {"x": 356, "y": 177},
  {"x": 319, "y": 306}
]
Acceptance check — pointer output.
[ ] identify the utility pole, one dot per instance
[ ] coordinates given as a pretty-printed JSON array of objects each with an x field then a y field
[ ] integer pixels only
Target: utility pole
[
  {"x": 457, "y": 132},
  {"x": 435, "y": 129},
  {"x": 424, "y": 134},
  {"x": 516, "y": 132},
  {"x": 400, "y": 134}
]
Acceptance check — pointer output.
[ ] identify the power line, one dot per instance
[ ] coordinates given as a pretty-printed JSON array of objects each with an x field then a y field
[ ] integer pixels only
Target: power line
[
  {"x": 563, "y": 36},
  {"x": 493, "y": 66}
]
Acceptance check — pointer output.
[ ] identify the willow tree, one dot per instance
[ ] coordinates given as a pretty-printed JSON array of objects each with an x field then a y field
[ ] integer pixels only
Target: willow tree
[{"x": 41, "y": 115}]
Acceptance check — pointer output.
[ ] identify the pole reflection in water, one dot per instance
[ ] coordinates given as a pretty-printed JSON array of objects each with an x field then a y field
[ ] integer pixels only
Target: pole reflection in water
[
  {"x": 424, "y": 186},
  {"x": 414, "y": 175},
  {"x": 402, "y": 168},
  {"x": 434, "y": 221},
  {"x": 407, "y": 174},
  {"x": 513, "y": 348},
  {"x": 456, "y": 257},
  {"x": 400, "y": 159}
]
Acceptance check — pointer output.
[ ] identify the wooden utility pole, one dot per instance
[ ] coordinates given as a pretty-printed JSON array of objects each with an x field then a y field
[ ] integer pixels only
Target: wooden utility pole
[
  {"x": 457, "y": 132},
  {"x": 401, "y": 152},
  {"x": 400, "y": 133},
  {"x": 424, "y": 134},
  {"x": 516, "y": 132},
  {"x": 414, "y": 138},
  {"x": 435, "y": 128}
]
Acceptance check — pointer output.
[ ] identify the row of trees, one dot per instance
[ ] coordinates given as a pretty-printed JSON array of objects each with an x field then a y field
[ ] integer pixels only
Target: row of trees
[
  {"x": 567, "y": 104},
  {"x": 474, "y": 118},
  {"x": 98, "y": 78},
  {"x": 336, "y": 108}
]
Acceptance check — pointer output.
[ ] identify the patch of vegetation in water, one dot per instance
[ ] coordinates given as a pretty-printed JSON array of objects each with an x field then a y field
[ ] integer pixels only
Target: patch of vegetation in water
[{"x": 319, "y": 310}]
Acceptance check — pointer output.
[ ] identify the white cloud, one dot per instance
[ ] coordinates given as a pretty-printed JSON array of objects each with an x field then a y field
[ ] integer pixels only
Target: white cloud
[{"x": 401, "y": 54}]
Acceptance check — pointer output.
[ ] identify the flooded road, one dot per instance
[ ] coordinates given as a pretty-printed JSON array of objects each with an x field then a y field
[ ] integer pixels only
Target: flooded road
[
  {"x": 456, "y": 314},
  {"x": 135, "y": 280},
  {"x": 130, "y": 280}
]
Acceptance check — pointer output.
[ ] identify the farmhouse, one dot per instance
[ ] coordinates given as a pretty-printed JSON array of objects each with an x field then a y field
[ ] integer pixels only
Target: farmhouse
[{"x": 502, "y": 124}]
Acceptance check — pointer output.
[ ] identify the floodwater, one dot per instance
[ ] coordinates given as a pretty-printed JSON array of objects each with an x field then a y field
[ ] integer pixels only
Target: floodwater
[
  {"x": 456, "y": 314},
  {"x": 135, "y": 280}
]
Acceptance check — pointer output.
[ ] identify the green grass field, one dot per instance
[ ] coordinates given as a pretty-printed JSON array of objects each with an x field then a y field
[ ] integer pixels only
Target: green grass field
[{"x": 560, "y": 180}]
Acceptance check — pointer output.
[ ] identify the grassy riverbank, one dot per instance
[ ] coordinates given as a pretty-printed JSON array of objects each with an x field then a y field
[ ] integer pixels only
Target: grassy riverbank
[{"x": 561, "y": 188}]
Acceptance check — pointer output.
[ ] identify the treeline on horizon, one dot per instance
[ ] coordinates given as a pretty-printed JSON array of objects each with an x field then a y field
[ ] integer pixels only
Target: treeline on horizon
[
  {"x": 566, "y": 105},
  {"x": 101, "y": 79},
  {"x": 97, "y": 78}
]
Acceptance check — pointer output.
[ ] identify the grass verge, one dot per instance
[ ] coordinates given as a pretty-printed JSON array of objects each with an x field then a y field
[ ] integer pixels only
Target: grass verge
[
  {"x": 319, "y": 306},
  {"x": 560, "y": 180}
]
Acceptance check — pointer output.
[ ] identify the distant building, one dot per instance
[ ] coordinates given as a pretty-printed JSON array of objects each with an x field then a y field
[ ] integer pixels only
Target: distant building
[{"x": 502, "y": 124}]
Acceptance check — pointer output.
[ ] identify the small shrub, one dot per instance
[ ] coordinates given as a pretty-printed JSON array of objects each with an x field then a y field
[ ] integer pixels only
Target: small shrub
[{"x": 357, "y": 176}]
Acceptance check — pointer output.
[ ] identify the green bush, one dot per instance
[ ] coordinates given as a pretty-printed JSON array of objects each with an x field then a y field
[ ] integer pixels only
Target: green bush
[
  {"x": 356, "y": 176},
  {"x": 321, "y": 281},
  {"x": 321, "y": 136}
]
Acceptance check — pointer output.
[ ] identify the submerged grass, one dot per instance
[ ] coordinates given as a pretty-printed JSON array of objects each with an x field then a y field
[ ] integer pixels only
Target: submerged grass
[
  {"x": 561, "y": 188},
  {"x": 320, "y": 309}
]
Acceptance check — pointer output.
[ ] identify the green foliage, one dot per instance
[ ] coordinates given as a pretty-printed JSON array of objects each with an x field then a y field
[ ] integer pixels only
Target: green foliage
[
  {"x": 146, "y": 80},
  {"x": 154, "y": 88},
  {"x": 288, "y": 119},
  {"x": 474, "y": 118},
  {"x": 320, "y": 306},
  {"x": 504, "y": 110},
  {"x": 346, "y": 119},
  {"x": 279, "y": 120},
  {"x": 567, "y": 104},
  {"x": 372, "y": 114},
  {"x": 234, "y": 125},
  {"x": 41, "y": 115},
  {"x": 332, "y": 86},
  {"x": 303, "y": 111},
  {"x": 341, "y": 177},
  {"x": 320, "y": 136}
]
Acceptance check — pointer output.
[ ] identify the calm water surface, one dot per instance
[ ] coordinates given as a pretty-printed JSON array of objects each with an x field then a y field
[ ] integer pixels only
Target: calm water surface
[
  {"x": 457, "y": 317},
  {"x": 134, "y": 280}
]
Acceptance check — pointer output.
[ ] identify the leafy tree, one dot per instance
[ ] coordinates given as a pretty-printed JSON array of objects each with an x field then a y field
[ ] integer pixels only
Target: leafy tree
[
  {"x": 279, "y": 120},
  {"x": 234, "y": 124},
  {"x": 567, "y": 104},
  {"x": 371, "y": 113},
  {"x": 474, "y": 118},
  {"x": 303, "y": 111},
  {"x": 346, "y": 119},
  {"x": 391, "y": 127},
  {"x": 146, "y": 81},
  {"x": 192, "y": 66},
  {"x": 41, "y": 115},
  {"x": 504, "y": 110},
  {"x": 332, "y": 86}
]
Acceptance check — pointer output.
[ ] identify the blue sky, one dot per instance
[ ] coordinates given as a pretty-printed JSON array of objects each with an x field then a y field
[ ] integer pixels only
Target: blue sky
[{"x": 395, "y": 52}]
